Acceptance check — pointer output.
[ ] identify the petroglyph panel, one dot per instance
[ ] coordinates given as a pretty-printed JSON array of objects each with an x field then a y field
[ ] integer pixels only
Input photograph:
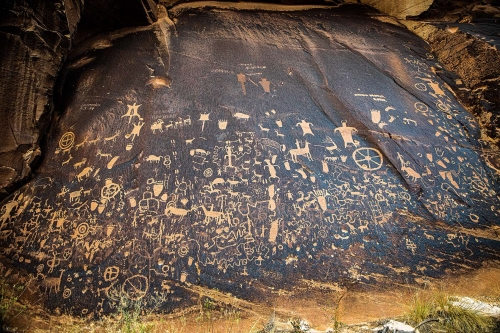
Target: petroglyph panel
[{"x": 284, "y": 147}]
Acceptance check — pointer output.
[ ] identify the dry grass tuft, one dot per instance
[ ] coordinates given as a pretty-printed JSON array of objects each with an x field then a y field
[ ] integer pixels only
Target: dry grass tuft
[{"x": 432, "y": 304}]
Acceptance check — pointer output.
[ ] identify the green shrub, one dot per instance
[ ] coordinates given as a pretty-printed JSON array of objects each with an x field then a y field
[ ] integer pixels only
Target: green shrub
[
  {"x": 10, "y": 308},
  {"x": 129, "y": 314}
]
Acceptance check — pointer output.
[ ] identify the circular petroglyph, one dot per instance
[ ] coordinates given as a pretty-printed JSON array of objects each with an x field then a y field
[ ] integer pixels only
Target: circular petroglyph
[
  {"x": 368, "y": 158},
  {"x": 421, "y": 107},
  {"x": 66, "y": 293},
  {"x": 135, "y": 287},
  {"x": 421, "y": 86},
  {"x": 111, "y": 273},
  {"x": 208, "y": 172},
  {"x": 322, "y": 233},
  {"x": 110, "y": 190},
  {"x": 82, "y": 230},
  {"x": 183, "y": 250},
  {"x": 67, "y": 140}
]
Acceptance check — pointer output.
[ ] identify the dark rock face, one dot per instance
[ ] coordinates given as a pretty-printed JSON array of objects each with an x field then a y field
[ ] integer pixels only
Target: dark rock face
[
  {"x": 107, "y": 15},
  {"x": 35, "y": 38},
  {"x": 243, "y": 150}
]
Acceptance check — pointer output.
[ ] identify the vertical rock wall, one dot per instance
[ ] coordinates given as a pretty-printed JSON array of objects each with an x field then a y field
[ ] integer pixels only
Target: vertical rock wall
[{"x": 35, "y": 37}]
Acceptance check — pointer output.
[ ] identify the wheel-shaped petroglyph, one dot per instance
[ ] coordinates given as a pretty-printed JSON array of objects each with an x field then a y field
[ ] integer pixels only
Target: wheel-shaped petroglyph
[
  {"x": 111, "y": 273},
  {"x": 421, "y": 107},
  {"x": 368, "y": 158},
  {"x": 208, "y": 172},
  {"x": 135, "y": 287},
  {"x": 67, "y": 141}
]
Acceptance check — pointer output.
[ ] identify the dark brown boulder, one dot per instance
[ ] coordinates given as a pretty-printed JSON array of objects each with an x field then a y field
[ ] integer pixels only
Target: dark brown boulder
[{"x": 246, "y": 150}]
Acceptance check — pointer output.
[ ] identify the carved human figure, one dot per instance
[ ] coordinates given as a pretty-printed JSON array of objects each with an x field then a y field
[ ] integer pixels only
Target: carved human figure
[
  {"x": 346, "y": 133},
  {"x": 132, "y": 112},
  {"x": 306, "y": 127}
]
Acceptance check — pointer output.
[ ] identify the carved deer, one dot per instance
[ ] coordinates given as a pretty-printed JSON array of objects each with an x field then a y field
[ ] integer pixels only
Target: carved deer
[
  {"x": 78, "y": 145},
  {"x": 67, "y": 161},
  {"x": 75, "y": 195},
  {"x": 300, "y": 152},
  {"x": 79, "y": 164},
  {"x": 211, "y": 214},
  {"x": 85, "y": 173},
  {"x": 53, "y": 282},
  {"x": 101, "y": 154},
  {"x": 263, "y": 129}
]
